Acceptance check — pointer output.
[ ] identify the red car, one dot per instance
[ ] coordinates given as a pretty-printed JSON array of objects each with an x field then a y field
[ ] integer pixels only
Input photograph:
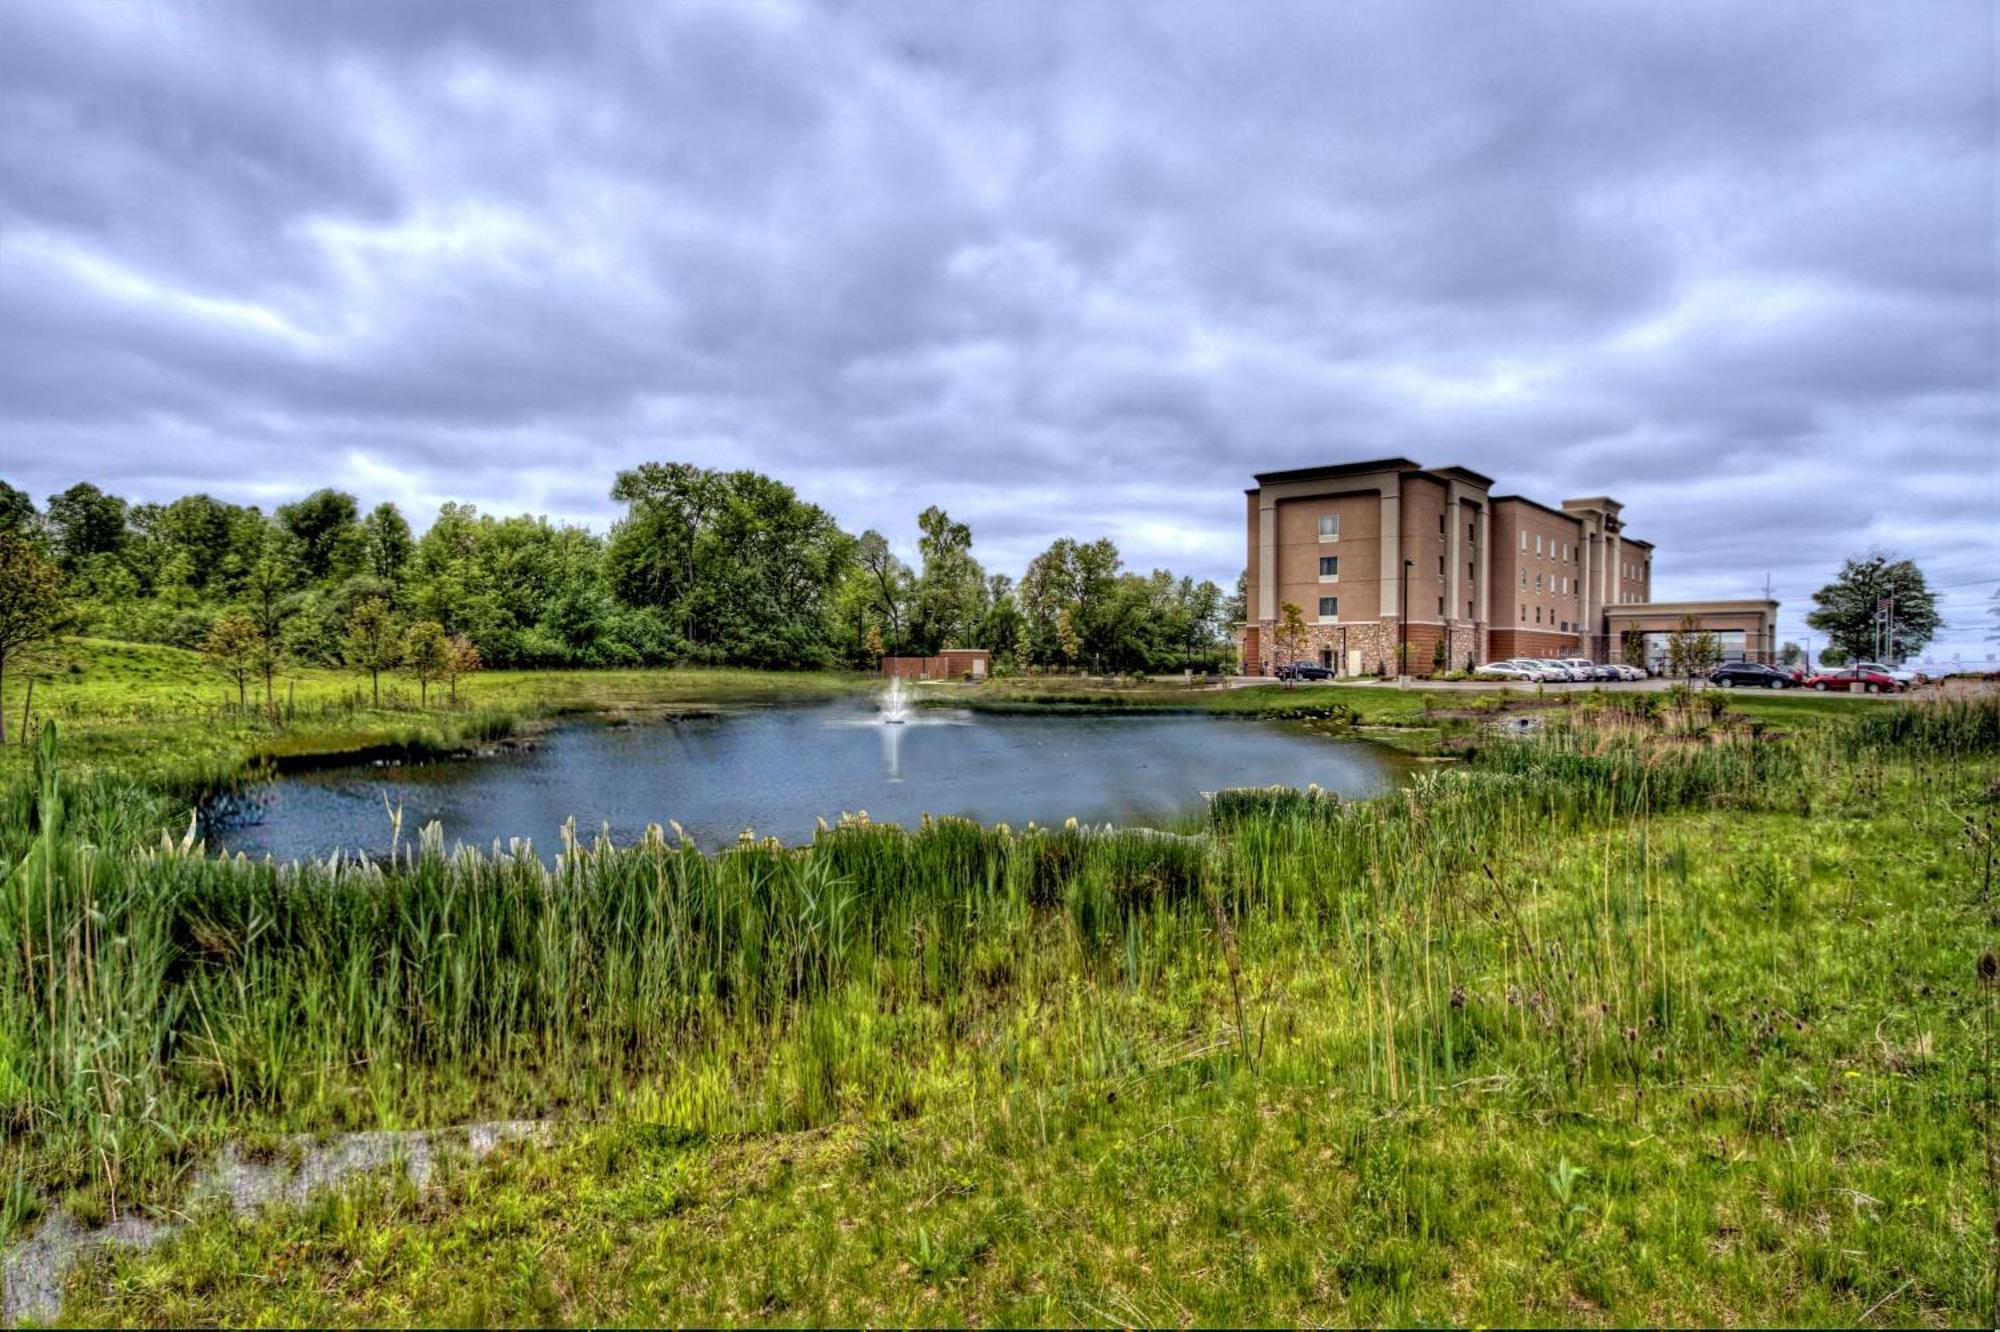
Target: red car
[{"x": 1855, "y": 680}]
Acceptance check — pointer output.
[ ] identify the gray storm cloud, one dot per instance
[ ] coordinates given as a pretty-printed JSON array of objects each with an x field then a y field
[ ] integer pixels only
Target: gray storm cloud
[{"x": 1065, "y": 269}]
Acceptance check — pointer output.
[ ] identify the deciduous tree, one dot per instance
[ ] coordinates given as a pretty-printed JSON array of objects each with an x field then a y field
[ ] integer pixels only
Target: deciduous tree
[
  {"x": 373, "y": 642},
  {"x": 426, "y": 656},
  {"x": 33, "y": 606},
  {"x": 1692, "y": 650},
  {"x": 327, "y": 527},
  {"x": 461, "y": 659},
  {"x": 17, "y": 510},
  {"x": 85, "y": 522},
  {"x": 1289, "y": 639},
  {"x": 385, "y": 535},
  {"x": 1851, "y": 611},
  {"x": 233, "y": 647}
]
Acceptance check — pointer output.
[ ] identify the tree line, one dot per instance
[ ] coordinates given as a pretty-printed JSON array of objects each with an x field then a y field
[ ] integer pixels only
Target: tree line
[{"x": 704, "y": 567}]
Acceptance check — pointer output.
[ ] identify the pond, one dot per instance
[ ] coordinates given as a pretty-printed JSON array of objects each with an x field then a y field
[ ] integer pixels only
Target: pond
[{"x": 779, "y": 769}]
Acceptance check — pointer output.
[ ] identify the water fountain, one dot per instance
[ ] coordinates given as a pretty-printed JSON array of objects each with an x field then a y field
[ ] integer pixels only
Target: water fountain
[{"x": 896, "y": 704}]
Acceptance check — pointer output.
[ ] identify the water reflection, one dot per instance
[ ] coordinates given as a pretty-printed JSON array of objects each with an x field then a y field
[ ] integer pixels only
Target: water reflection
[{"x": 780, "y": 770}]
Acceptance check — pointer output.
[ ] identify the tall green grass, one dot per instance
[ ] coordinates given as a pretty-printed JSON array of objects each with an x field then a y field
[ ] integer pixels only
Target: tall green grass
[{"x": 155, "y": 999}]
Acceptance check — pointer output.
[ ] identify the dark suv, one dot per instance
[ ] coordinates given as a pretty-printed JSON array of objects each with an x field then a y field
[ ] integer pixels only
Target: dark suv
[
  {"x": 1752, "y": 674},
  {"x": 1304, "y": 670}
]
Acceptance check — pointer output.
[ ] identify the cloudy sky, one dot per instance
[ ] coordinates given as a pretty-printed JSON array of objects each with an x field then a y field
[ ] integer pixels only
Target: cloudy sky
[{"x": 1065, "y": 268}]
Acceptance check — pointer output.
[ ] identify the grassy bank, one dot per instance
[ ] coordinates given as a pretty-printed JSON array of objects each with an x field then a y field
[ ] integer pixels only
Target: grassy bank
[
  {"x": 165, "y": 718},
  {"x": 1629, "y": 1021},
  {"x": 1382, "y": 705}
]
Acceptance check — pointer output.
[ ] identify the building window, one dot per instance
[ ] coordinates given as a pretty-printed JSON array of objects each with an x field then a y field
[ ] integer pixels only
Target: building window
[
  {"x": 1440, "y": 608},
  {"x": 1468, "y": 609},
  {"x": 1524, "y": 578},
  {"x": 1538, "y": 615},
  {"x": 1329, "y": 566},
  {"x": 1468, "y": 571},
  {"x": 1329, "y": 608},
  {"x": 1538, "y": 543},
  {"x": 1440, "y": 566},
  {"x": 1524, "y": 540},
  {"x": 1524, "y": 615},
  {"x": 1538, "y": 582},
  {"x": 1329, "y": 527},
  {"x": 1440, "y": 524}
]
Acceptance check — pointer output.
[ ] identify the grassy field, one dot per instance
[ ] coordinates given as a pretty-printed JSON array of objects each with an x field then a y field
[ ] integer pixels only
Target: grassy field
[
  {"x": 163, "y": 717},
  {"x": 1642, "y": 1019}
]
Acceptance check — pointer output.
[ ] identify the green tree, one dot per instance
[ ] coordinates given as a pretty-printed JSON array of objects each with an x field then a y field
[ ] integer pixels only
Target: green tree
[
  {"x": 1289, "y": 640},
  {"x": 33, "y": 605},
  {"x": 1076, "y": 580},
  {"x": 271, "y": 603},
  {"x": 374, "y": 641},
  {"x": 1069, "y": 645},
  {"x": 877, "y": 592},
  {"x": 1847, "y": 609},
  {"x": 84, "y": 522},
  {"x": 1000, "y": 625},
  {"x": 17, "y": 510},
  {"x": 951, "y": 586},
  {"x": 327, "y": 527},
  {"x": 1236, "y": 610},
  {"x": 1692, "y": 650},
  {"x": 1204, "y": 615},
  {"x": 746, "y": 569},
  {"x": 234, "y": 647},
  {"x": 1790, "y": 654},
  {"x": 386, "y": 538},
  {"x": 426, "y": 655}
]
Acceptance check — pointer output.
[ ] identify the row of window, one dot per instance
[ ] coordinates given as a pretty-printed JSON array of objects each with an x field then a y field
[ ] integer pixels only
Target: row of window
[
  {"x": 1561, "y": 584},
  {"x": 1567, "y": 551},
  {"x": 1565, "y": 625},
  {"x": 1329, "y": 608},
  {"x": 1329, "y": 530}
]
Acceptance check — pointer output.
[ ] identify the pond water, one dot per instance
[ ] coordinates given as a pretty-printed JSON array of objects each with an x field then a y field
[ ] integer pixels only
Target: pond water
[{"x": 777, "y": 770}]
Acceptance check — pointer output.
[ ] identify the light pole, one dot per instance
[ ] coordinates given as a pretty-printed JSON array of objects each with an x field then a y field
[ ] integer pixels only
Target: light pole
[{"x": 1403, "y": 631}]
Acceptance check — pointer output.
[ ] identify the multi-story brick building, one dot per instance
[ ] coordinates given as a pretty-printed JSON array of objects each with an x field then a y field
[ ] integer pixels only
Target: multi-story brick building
[{"x": 1484, "y": 575}]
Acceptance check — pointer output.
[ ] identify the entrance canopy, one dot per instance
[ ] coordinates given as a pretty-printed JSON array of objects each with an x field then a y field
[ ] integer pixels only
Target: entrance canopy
[{"x": 1747, "y": 629}]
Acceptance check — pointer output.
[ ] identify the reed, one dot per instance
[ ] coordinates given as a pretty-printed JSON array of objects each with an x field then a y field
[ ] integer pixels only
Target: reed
[{"x": 1470, "y": 934}]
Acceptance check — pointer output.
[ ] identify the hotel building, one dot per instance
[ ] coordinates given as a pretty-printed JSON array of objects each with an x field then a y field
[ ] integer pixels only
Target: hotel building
[{"x": 1388, "y": 552}]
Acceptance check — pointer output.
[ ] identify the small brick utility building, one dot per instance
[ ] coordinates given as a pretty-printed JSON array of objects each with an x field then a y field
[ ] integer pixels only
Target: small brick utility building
[{"x": 950, "y": 664}]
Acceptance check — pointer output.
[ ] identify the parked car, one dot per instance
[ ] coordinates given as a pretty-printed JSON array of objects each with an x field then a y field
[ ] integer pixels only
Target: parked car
[
  {"x": 1304, "y": 670},
  {"x": 1902, "y": 675},
  {"x": 1627, "y": 671},
  {"x": 1508, "y": 670},
  {"x": 1560, "y": 671},
  {"x": 1855, "y": 679},
  {"x": 1590, "y": 669},
  {"x": 1753, "y": 674}
]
